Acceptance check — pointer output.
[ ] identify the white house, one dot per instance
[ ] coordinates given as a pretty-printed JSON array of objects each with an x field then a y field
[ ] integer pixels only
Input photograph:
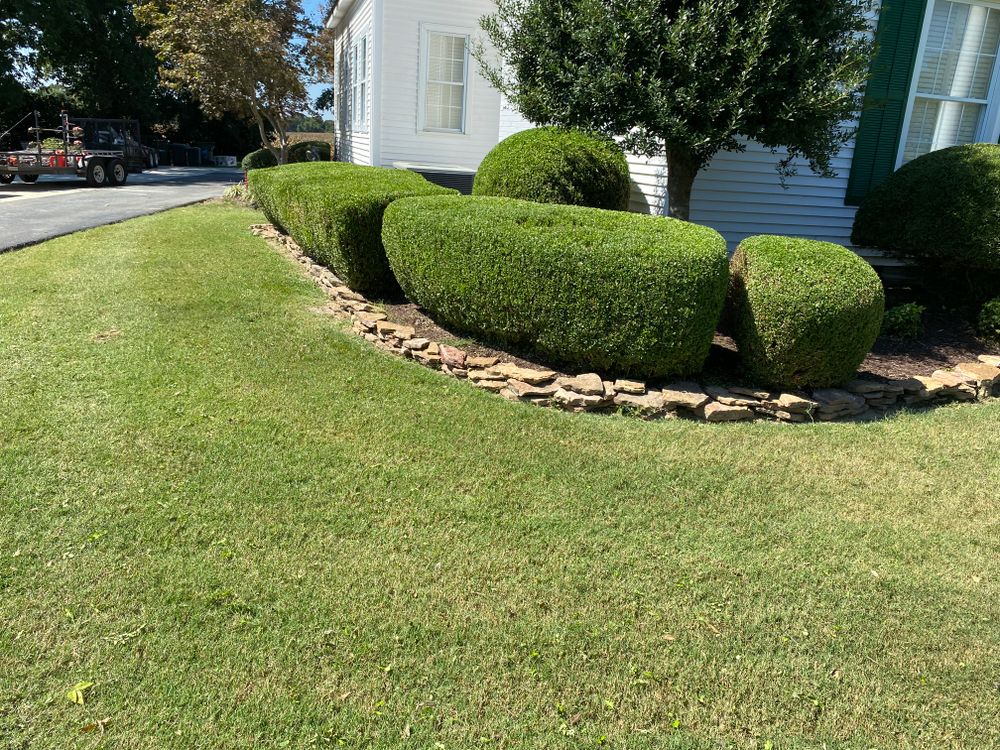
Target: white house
[{"x": 410, "y": 96}]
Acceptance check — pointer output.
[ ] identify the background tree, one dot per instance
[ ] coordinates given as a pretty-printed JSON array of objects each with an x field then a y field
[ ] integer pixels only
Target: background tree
[
  {"x": 685, "y": 79},
  {"x": 241, "y": 56}
]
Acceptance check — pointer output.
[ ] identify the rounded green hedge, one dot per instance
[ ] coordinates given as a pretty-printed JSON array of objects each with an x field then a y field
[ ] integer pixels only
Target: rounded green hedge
[
  {"x": 988, "y": 322},
  {"x": 943, "y": 207},
  {"x": 259, "y": 159},
  {"x": 300, "y": 152},
  {"x": 334, "y": 212},
  {"x": 610, "y": 291},
  {"x": 803, "y": 313},
  {"x": 556, "y": 165}
]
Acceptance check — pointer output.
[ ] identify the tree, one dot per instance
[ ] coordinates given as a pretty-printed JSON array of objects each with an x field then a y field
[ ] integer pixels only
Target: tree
[
  {"x": 685, "y": 79},
  {"x": 244, "y": 57}
]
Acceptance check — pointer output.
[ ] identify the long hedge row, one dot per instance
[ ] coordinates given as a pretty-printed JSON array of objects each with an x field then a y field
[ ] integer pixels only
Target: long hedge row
[
  {"x": 334, "y": 212},
  {"x": 582, "y": 287}
]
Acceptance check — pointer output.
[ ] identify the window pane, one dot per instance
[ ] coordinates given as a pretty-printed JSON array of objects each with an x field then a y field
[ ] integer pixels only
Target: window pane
[
  {"x": 445, "y": 82},
  {"x": 961, "y": 51},
  {"x": 938, "y": 124},
  {"x": 444, "y": 106}
]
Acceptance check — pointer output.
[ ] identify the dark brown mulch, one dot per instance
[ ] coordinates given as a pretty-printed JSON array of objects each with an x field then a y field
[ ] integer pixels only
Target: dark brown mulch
[{"x": 948, "y": 340}]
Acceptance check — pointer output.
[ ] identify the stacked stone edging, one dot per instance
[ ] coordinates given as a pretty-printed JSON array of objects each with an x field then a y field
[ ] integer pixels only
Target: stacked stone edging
[{"x": 861, "y": 399}]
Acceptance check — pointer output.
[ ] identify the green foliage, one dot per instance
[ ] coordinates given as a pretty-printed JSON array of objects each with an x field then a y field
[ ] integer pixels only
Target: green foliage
[
  {"x": 300, "y": 151},
  {"x": 803, "y": 313},
  {"x": 556, "y": 165},
  {"x": 904, "y": 321},
  {"x": 334, "y": 212},
  {"x": 687, "y": 78},
  {"x": 604, "y": 290},
  {"x": 942, "y": 208},
  {"x": 989, "y": 319},
  {"x": 259, "y": 159}
]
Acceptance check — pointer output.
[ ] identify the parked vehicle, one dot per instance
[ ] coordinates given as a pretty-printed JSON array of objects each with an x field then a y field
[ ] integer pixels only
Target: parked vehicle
[{"x": 104, "y": 151}]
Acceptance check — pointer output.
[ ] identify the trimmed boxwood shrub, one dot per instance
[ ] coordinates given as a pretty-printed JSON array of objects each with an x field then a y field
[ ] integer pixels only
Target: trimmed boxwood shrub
[
  {"x": 299, "y": 152},
  {"x": 803, "y": 313},
  {"x": 988, "y": 322},
  {"x": 556, "y": 165},
  {"x": 942, "y": 207},
  {"x": 596, "y": 290},
  {"x": 259, "y": 159},
  {"x": 334, "y": 212},
  {"x": 904, "y": 321}
]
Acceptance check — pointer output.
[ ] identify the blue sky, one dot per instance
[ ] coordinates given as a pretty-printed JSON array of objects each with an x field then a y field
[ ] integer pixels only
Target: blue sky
[{"x": 315, "y": 9}]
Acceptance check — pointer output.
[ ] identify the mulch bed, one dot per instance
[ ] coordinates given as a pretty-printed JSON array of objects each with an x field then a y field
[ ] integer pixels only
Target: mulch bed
[{"x": 947, "y": 341}]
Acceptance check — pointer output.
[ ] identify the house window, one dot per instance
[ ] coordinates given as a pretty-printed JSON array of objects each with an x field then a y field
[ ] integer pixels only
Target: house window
[
  {"x": 444, "y": 81},
  {"x": 359, "y": 84},
  {"x": 956, "y": 75}
]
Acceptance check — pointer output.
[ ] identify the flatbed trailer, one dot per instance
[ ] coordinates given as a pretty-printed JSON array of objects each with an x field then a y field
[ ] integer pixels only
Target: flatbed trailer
[{"x": 102, "y": 151}]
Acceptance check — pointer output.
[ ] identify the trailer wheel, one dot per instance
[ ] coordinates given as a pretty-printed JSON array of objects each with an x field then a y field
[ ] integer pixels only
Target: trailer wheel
[
  {"x": 6, "y": 179},
  {"x": 117, "y": 173},
  {"x": 97, "y": 173},
  {"x": 29, "y": 178}
]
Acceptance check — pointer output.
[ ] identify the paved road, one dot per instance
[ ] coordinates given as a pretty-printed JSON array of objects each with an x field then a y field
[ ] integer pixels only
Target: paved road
[{"x": 55, "y": 206}]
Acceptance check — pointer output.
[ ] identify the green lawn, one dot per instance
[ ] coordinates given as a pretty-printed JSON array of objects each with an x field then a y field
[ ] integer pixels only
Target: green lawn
[{"x": 248, "y": 528}]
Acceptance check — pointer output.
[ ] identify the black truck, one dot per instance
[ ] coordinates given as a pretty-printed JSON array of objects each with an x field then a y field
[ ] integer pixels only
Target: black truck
[{"x": 104, "y": 151}]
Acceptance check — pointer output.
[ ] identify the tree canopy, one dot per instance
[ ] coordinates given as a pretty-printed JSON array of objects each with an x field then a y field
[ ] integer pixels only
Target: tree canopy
[{"x": 685, "y": 79}]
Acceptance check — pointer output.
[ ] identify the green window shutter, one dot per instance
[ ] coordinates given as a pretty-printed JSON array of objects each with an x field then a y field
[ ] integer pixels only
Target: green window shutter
[{"x": 886, "y": 95}]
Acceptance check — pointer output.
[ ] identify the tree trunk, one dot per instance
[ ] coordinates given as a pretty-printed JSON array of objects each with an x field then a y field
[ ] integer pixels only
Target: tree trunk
[
  {"x": 265, "y": 139},
  {"x": 682, "y": 168}
]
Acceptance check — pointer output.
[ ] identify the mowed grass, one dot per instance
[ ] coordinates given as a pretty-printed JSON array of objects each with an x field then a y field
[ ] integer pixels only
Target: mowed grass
[{"x": 249, "y": 529}]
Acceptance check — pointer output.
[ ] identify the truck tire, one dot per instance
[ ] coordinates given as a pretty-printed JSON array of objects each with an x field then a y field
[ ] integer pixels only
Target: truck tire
[
  {"x": 6, "y": 179},
  {"x": 117, "y": 173},
  {"x": 29, "y": 178},
  {"x": 97, "y": 173}
]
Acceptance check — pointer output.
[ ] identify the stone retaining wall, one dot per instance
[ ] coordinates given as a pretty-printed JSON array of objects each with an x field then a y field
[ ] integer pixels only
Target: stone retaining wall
[{"x": 862, "y": 399}]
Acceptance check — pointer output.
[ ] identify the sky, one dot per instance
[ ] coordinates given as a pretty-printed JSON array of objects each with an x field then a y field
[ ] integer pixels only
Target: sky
[{"x": 316, "y": 9}]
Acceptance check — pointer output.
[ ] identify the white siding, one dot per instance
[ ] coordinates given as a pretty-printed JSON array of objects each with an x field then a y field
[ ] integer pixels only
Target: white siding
[
  {"x": 401, "y": 138},
  {"x": 354, "y": 145}
]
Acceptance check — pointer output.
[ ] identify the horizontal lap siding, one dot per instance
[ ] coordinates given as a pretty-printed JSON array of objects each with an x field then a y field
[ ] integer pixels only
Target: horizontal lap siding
[
  {"x": 353, "y": 146},
  {"x": 402, "y": 39}
]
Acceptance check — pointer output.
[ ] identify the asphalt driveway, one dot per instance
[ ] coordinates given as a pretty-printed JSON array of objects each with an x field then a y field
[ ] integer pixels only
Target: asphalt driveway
[{"x": 55, "y": 206}]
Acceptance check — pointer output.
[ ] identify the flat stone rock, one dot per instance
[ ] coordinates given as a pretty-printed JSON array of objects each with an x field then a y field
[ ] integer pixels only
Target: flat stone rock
[
  {"x": 416, "y": 343},
  {"x": 837, "y": 397},
  {"x": 983, "y": 373},
  {"x": 714, "y": 411},
  {"x": 757, "y": 393},
  {"x": 728, "y": 397},
  {"x": 578, "y": 400},
  {"x": 952, "y": 379},
  {"x": 529, "y": 391},
  {"x": 495, "y": 385},
  {"x": 524, "y": 374},
  {"x": 931, "y": 386},
  {"x": 990, "y": 359},
  {"x": 646, "y": 403},
  {"x": 686, "y": 394},
  {"x": 863, "y": 387},
  {"x": 452, "y": 356},
  {"x": 385, "y": 328},
  {"x": 631, "y": 387},
  {"x": 782, "y": 415},
  {"x": 369, "y": 319},
  {"x": 480, "y": 363},
  {"x": 794, "y": 403},
  {"x": 589, "y": 384}
]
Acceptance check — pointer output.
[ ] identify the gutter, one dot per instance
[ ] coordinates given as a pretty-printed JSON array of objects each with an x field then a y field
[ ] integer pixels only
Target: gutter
[{"x": 337, "y": 12}]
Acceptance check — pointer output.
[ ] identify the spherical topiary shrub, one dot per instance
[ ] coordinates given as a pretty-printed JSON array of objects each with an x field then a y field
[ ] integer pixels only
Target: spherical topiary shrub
[
  {"x": 556, "y": 165},
  {"x": 610, "y": 291},
  {"x": 309, "y": 151},
  {"x": 942, "y": 207},
  {"x": 989, "y": 319},
  {"x": 803, "y": 313},
  {"x": 259, "y": 159}
]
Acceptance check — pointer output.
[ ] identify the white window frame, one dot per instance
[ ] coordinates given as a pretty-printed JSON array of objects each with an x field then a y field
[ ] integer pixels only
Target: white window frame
[
  {"x": 425, "y": 52},
  {"x": 989, "y": 128},
  {"x": 360, "y": 86}
]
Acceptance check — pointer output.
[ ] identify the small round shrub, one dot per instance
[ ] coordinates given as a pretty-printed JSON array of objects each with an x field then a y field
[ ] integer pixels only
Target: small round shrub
[
  {"x": 942, "y": 207},
  {"x": 904, "y": 321},
  {"x": 556, "y": 165},
  {"x": 803, "y": 313},
  {"x": 303, "y": 151},
  {"x": 333, "y": 210},
  {"x": 597, "y": 290},
  {"x": 259, "y": 159},
  {"x": 989, "y": 319}
]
